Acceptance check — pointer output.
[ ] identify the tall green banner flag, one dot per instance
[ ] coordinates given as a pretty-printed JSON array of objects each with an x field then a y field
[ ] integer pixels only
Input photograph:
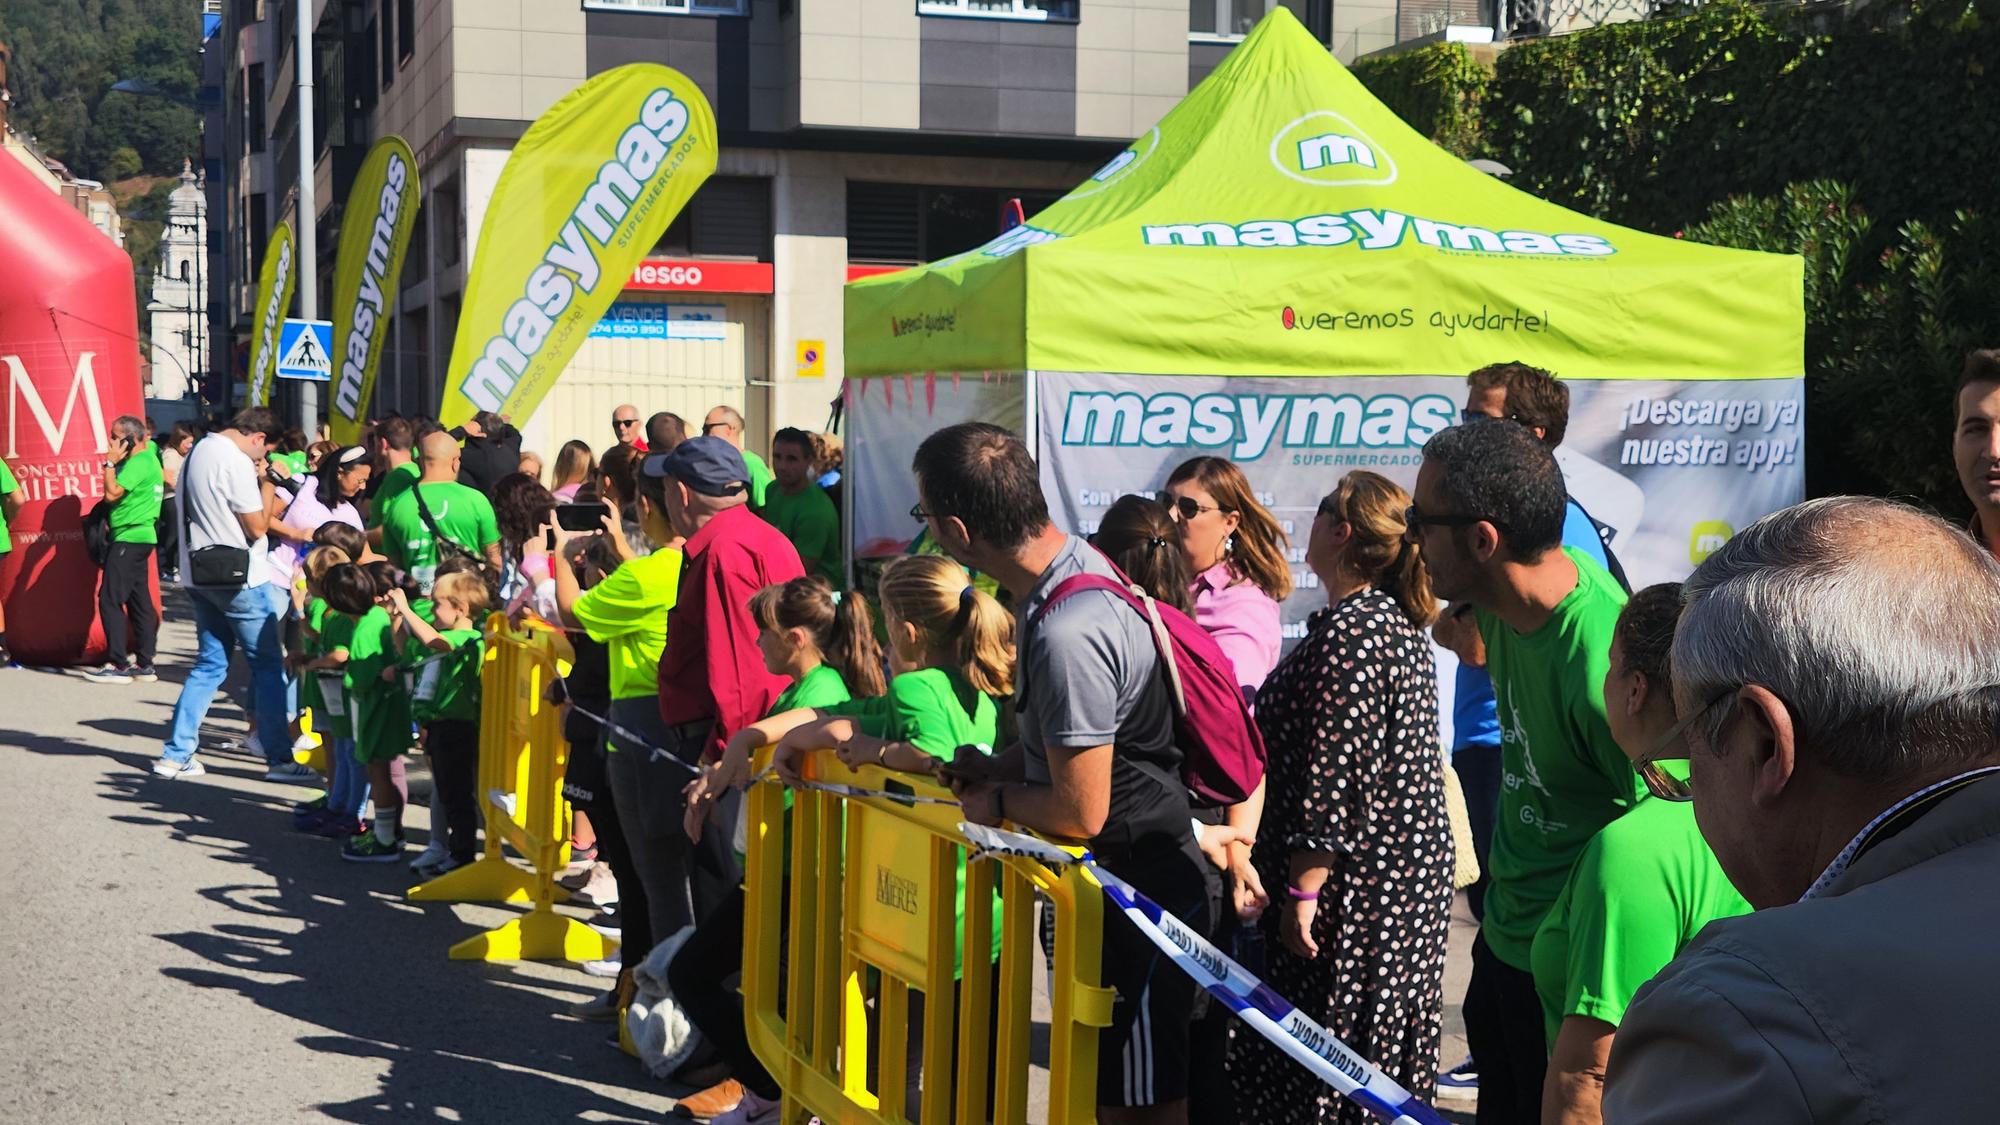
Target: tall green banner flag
[
  {"x": 374, "y": 233},
  {"x": 588, "y": 191},
  {"x": 275, "y": 282}
]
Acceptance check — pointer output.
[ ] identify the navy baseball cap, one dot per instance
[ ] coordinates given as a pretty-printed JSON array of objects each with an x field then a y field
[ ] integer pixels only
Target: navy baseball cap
[{"x": 709, "y": 465}]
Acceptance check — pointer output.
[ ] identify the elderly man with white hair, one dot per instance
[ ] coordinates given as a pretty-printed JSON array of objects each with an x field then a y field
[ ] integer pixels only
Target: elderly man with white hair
[{"x": 1837, "y": 674}]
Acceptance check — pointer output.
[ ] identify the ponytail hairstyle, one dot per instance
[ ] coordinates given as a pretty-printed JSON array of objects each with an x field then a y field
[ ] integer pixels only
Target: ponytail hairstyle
[
  {"x": 1645, "y": 635},
  {"x": 1138, "y": 535},
  {"x": 387, "y": 576},
  {"x": 1372, "y": 506},
  {"x": 840, "y": 626},
  {"x": 1257, "y": 548},
  {"x": 954, "y": 619}
]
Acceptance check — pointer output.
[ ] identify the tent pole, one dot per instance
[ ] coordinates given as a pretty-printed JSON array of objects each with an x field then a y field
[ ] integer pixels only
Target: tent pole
[{"x": 1032, "y": 434}]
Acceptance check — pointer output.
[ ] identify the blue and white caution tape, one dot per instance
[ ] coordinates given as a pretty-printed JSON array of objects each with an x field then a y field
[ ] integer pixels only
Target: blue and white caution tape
[
  {"x": 630, "y": 739},
  {"x": 1270, "y": 1014}
]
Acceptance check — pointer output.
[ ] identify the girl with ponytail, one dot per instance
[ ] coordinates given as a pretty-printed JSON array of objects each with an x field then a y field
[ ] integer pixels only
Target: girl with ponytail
[{"x": 1354, "y": 820}]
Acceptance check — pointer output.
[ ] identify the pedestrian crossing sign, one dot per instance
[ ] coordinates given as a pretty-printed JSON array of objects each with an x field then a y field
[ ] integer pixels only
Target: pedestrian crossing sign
[{"x": 305, "y": 350}]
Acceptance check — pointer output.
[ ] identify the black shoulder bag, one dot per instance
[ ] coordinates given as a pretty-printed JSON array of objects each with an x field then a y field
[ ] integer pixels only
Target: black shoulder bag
[
  {"x": 219, "y": 566},
  {"x": 445, "y": 542}
]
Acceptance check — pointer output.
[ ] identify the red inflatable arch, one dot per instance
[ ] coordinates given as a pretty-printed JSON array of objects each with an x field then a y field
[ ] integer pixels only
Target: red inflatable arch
[{"x": 69, "y": 364}]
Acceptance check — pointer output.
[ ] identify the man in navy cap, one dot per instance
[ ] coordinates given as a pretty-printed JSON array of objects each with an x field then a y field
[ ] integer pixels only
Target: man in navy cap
[{"x": 712, "y": 676}]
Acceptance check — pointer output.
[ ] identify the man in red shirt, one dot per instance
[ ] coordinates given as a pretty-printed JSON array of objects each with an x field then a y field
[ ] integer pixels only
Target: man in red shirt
[{"x": 712, "y": 673}]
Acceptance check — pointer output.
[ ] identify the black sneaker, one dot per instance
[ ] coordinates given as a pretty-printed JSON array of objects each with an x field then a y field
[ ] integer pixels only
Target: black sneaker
[
  {"x": 145, "y": 673},
  {"x": 607, "y": 922}
]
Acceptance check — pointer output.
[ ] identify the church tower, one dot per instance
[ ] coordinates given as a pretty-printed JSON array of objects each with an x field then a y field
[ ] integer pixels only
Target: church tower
[{"x": 178, "y": 314}]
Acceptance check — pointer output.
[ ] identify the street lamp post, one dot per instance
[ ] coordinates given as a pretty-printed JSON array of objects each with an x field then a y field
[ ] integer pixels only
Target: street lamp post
[{"x": 308, "y": 211}]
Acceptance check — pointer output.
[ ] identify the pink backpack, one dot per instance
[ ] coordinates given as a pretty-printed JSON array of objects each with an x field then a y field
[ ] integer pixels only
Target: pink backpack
[{"x": 1222, "y": 751}]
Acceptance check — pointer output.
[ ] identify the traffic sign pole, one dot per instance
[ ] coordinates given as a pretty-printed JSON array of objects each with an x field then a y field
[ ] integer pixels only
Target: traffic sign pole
[{"x": 302, "y": 65}]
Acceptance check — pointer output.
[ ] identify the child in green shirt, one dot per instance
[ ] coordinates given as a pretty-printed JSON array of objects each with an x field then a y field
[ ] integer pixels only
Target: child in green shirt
[
  {"x": 311, "y": 606},
  {"x": 444, "y": 663},
  {"x": 381, "y": 717},
  {"x": 349, "y": 593}
]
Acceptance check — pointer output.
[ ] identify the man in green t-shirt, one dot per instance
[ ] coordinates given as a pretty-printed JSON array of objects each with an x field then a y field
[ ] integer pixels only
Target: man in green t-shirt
[
  {"x": 726, "y": 422},
  {"x": 395, "y": 471},
  {"x": 1488, "y": 513},
  {"x": 134, "y": 488},
  {"x": 462, "y": 515},
  {"x": 799, "y": 507}
]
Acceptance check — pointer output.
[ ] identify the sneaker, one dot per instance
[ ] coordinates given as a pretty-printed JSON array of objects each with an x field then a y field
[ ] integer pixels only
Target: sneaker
[
  {"x": 607, "y": 922},
  {"x": 443, "y": 864},
  {"x": 367, "y": 849},
  {"x": 752, "y": 1110},
  {"x": 168, "y": 768},
  {"x": 608, "y": 968},
  {"x": 309, "y": 810},
  {"x": 337, "y": 827},
  {"x": 432, "y": 855},
  {"x": 107, "y": 674},
  {"x": 601, "y": 891},
  {"x": 145, "y": 674},
  {"x": 292, "y": 773},
  {"x": 1461, "y": 1080},
  {"x": 602, "y": 1008},
  {"x": 714, "y": 1101}
]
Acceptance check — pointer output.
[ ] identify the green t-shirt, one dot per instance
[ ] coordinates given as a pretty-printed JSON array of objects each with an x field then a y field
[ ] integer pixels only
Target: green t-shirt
[
  {"x": 463, "y": 514},
  {"x": 7, "y": 484},
  {"x": 396, "y": 482},
  {"x": 336, "y": 634},
  {"x": 136, "y": 516},
  {"x": 627, "y": 613},
  {"x": 1562, "y": 775},
  {"x": 760, "y": 478},
  {"x": 444, "y": 686},
  {"x": 807, "y": 518},
  {"x": 937, "y": 711},
  {"x": 313, "y": 646},
  {"x": 1641, "y": 890},
  {"x": 382, "y": 718},
  {"x": 821, "y": 687}
]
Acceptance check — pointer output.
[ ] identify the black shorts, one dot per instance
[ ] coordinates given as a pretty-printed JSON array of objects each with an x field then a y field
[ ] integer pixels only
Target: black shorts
[{"x": 1143, "y": 1057}]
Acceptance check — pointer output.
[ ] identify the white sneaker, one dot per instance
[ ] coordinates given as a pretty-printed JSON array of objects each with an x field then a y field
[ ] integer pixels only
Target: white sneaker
[
  {"x": 609, "y": 967},
  {"x": 108, "y": 674},
  {"x": 292, "y": 773},
  {"x": 752, "y": 1110},
  {"x": 601, "y": 890},
  {"x": 433, "y": 854},
  {"x": 168, "y": 768},
  {"x": 254, "y": 744}
]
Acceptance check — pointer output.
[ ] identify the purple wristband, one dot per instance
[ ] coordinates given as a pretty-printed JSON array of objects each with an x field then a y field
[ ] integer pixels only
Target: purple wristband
[{"x": 1302, "y": 896}]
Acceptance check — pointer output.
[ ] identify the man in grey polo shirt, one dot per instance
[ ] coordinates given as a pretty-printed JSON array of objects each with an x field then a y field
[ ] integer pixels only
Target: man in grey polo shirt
[{"x": 1097, "y": 759}]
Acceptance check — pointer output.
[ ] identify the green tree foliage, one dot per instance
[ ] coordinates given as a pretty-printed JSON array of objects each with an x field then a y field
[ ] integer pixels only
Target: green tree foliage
[
  {"x": 1437, "y": 89},
  {"x": 66, "y": 56},
  {"x": 1890, "y": 316}
]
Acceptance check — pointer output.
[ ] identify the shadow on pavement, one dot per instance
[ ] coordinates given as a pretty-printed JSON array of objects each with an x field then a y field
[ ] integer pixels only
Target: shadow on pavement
[{"x": 334, "y": 946}]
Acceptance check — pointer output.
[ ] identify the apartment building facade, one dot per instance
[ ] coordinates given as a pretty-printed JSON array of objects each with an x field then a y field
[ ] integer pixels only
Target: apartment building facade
[{"x": 856, "y": 136}]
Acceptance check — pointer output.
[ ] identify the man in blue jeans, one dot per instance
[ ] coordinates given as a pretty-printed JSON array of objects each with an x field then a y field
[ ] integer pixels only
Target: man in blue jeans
[{"x": 225, "y": 501}]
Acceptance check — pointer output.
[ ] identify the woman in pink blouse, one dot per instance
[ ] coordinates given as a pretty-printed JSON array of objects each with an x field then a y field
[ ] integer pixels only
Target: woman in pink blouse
[{"x": 1237, "y": 553}]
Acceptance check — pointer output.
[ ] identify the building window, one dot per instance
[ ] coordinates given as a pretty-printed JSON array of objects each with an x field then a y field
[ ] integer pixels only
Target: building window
[
  {"x": 903, "y": 224},
  {"x": 1056, "y": 11},
  {"x": 1233, "y": 19},
  {"x": 388, "y": 30},
  {"x": 253, "y": 94},
  {"x": 406, "y": 28},
  {"x": 671, "y": 7},
  {"x": 730, "y": 217}
]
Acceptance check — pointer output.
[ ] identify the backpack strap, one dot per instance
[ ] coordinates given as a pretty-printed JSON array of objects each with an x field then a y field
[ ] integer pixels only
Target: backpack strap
[
  {"x": 1140, "y": 601},
  {"x": 1604, "y": 531}
]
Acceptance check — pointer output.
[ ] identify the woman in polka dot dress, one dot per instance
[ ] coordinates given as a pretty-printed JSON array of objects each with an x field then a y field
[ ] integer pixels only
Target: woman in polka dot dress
[{"x": 1354, "y": 844}]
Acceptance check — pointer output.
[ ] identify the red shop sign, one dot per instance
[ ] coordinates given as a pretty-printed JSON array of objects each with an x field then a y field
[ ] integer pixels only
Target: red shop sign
[{"x": 678, "y": 275}]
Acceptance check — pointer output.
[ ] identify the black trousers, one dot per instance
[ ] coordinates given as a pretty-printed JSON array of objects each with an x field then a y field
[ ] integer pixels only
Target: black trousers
[
  {"x": 453, "y": 745},
  {"x": 700, "y": 975},
  {"x": 124, "y": 591},
  {"x": 1503, "y": 1026},
  {"x": 169, "y": 529}
]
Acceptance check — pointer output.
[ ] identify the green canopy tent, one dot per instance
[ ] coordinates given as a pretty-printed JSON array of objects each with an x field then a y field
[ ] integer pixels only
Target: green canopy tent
[{"x": 1283, "y": 273}]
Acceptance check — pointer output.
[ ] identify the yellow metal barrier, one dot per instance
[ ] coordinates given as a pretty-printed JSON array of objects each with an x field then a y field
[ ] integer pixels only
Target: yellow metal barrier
[
  {"x": 522, "y": 755},
  {"x": 875, "y": 898}
]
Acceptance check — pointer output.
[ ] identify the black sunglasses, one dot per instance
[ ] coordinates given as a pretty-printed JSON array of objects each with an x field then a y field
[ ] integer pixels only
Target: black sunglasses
[
  {"x": 1414, "y": 520},
  {"x": 1186, "y": 508},
  {"x": 621, "y": 423}
]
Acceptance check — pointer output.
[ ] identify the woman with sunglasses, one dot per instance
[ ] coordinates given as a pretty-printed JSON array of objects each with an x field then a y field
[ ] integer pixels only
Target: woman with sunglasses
[
  {"x": 1354, "y": 844},
  {"x": 1643, "y": 886},
  {"x": 1236, "y": 552}
]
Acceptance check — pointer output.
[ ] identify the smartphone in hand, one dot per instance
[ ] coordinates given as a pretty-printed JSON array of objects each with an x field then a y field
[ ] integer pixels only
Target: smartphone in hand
[{"x": 581, "y": 517}]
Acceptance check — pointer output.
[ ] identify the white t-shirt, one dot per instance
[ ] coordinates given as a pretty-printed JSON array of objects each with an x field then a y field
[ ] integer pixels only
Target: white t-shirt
[{"x": 218, "y": 483}]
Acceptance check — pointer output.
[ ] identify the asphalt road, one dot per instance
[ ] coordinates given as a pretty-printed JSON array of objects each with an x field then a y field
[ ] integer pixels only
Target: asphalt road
[{"x": 174, "y": 951}]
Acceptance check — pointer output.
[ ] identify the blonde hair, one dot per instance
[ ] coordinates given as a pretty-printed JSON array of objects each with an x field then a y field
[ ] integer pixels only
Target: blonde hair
[
  {"x": 953, "y": 619},
  {"x": 840, "y": 626},
  {"x": 1372, "y": 507},
  {"x": 320, "y": 560},
  {"x": 466, "y": 588},
  {"x": 1257, "y": 554}
]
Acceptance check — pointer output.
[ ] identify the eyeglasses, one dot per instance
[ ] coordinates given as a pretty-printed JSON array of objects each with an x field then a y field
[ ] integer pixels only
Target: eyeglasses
[
  {"x": 621, "y": 423},
  {"x": 1187, "y": 507},
  {"x": 1414, "y": 521},
  {"x": 917, "y": 512},
  {"x": 1672, "y": 747}
]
